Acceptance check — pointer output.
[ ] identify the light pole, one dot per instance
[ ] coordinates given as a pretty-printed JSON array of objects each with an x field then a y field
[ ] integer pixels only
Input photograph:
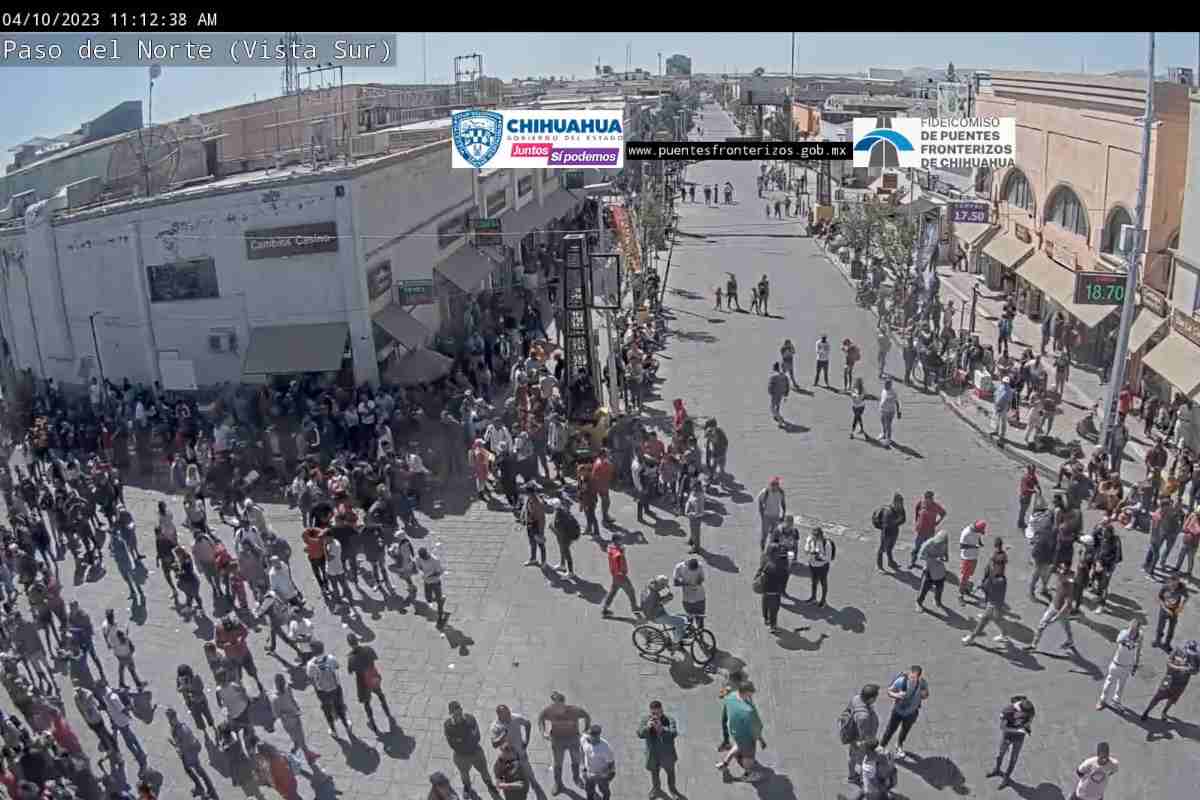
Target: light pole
[
  {"x": 1135, "y": 244},
  {"x": 96, "y": 346}
]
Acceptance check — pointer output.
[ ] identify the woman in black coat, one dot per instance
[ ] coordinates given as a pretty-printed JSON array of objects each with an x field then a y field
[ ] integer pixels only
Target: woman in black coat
[{"x": 775, "y": 571}]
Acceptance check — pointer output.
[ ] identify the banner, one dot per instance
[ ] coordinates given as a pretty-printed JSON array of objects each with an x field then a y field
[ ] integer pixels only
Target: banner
[{"x": 519, "y": 139}]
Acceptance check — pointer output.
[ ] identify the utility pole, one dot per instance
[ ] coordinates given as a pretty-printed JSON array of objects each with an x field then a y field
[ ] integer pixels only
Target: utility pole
[
  {"x": 1135, "y": 248},
  {"x": 96, "y": 345}
]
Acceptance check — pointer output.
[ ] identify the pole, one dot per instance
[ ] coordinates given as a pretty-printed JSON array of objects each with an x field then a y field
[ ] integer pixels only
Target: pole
[
  {"x": 974, "y": 300},
  {"x": 96, "y": 346},
  {"x": 1117, "y": 372}
]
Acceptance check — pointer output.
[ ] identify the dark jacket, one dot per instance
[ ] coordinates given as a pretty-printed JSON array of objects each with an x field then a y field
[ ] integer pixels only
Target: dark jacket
[
  {"x": 463, "y": 737},
  {"x": 893, "y": 518},
  {"x": 660, "y": 745},
  {"x": 775, "y": 575},
  {"x": 995, "y": 589}
]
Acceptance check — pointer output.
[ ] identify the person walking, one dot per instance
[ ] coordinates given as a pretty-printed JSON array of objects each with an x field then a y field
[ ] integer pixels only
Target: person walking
[
  {"x": 995, "y": 591},
  {"x": 851, "y": 354},
  {"x": 462, "y": 734},
  {"x": 1181, "y": 666},
  {"x": 658, "y": 731},
  {"x": 599, "y": 764},
  {"x": 772, "y": 505},
  {"x": 778, "y": 389},
  {"x": 559, "y": 724},
  {"x": 1171, "y": 600},
  {"x": 764, "y": 292},
  {"x": 821, "y": 552},
  {"x": 566, "y": 532},
  {"x": 694, "y": 509},
  {"x": 513, "y": 730},
  {"x": 117, "y": 640},
  {"x": 603, "y": 473},
  {"x": 1058, "y": 611},
  {"x": 1093, "y": 773},
  {"x": 969, "y": 542},
  {"x": 1001, "y": 405},
  {"x": 858, "y": 404},
  {"x": 787, "y": 358},
  {"x": 189, "y": 749},
  {"x": 822, "y": 348},
  {"x": 927, "y": 516},
  {"x": 533, "y": 515},
  {"x": 888, "y": 520},
  {"x": 285, "y": 709},
  {"x": 322, "y": 671},
  {"x": 934, "y": 553},
  {"x": 368, "y": 683},
  {"x": 1028, "y": 488},
  {"x": 1016, "y": 720},
  {"x": 884, "y": 343},
  {"x": 618, "y": 570},
  {"x": 118, "y": 711},
  {"x": 863, "y": 724},
  {"x": 889, "y": 409},
  {"x": 908, "y": 691},
  {"x": 1124, "y": 664},
  {"x": 431, "y": 570},
  {"x": 745, "y": 731}
]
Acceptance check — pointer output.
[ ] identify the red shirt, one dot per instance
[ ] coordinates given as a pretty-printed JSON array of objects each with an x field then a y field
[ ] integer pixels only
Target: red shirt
[
  {"x": 618, "y": 567},
  {"x": 1029, "y": 485},
  {"x": 1125, "y": 401},
  {"x": 602, "y": 474},
  {"x": 926, "y": 516},
  {"x": 233, "y": 642}
]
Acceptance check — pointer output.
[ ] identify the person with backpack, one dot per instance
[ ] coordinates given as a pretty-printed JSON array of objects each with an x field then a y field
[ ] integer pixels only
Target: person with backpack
[
  {"x": 908, "y": 690},
  {"x": 1016, "y": 718},
  {"x": 566, "y": 531},
  {"x": 887, "y": 520},
  {"x": 995, "y": 590},
  {"x": 857, "y": 724}
]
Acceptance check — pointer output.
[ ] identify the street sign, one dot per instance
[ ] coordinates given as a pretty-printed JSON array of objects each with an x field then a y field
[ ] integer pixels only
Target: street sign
[
  {"x": 488, "y": 232},
  {"x": 414, "y": 293},
  {"x": 1099, "y": 288},
  {"x": 969, "y": 213}
]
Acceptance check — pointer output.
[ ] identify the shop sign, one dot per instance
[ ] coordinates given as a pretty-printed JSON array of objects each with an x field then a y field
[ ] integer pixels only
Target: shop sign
[
  {"x": 1154, "y": 300},
  {"x": 969, "y": 213},
  {"x": 889, "y": 180},
  {"x": 415, "y": 293},
  {"x": 1022, "y": 233},
  {"x": 379, "y": 279},
  {"x": 294, "y": 240},
  {"x": 488, "y": 232},
  {"x": 573, "y": 179},
  {"x": 1187, "y": 325}
]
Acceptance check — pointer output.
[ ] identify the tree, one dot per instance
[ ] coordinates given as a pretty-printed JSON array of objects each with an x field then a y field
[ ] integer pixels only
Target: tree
[
  {"x": 899, "y": 236},
  {"x": 950, "y": 77}
]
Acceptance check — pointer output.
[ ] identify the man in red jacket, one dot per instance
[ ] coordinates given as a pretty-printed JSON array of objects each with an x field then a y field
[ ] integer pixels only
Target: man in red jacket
[
  {"x": 618, "y": 568},
  {"x": 602, "y": 476},
  {"x": 231, "y": 637}
]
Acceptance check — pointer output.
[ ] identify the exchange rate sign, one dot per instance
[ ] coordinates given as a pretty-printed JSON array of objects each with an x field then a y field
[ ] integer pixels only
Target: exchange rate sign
[
  {"x": 1099, "y": 288},
  {"x": 969, "y": 212}
]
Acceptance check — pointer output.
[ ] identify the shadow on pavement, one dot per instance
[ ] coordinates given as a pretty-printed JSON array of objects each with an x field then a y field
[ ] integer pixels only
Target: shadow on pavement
[
  {"x": 359, "y": 755},
  {"x": 1043, "y": 791},
  {"x": 792, "y": 640},
  {"x": 938, "y": 771},
  {"x": 719, "y": 561}
]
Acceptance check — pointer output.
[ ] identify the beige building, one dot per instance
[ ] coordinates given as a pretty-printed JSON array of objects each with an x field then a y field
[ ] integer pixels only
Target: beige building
[{"x": 1061, "y": 208}]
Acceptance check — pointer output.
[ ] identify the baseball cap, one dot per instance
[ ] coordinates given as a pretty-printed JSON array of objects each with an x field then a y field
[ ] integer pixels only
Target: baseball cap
[
  {"x": 980, "y": 525},
  {"x": 594, "y": 730}
]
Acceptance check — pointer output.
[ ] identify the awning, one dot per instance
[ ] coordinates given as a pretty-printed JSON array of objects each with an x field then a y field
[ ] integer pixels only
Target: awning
[
  {"x": 427, "y": 315},
  {"x": 561, "y": 202},
  {"x": 1058, "y": 283},
  {"x": 971, "y": 232},
  {"x": 418, "y": 366},
  {"x": 1178, "y": 361},
  {"x": 1008, "y": 250},
  {"x": 467, "y": 268},
  {"x": 288, "y": 349},
  {"x": 1145, "y": 325},
  {"x": 533, "y": 215},
  {"x": 402, "y": 327}
]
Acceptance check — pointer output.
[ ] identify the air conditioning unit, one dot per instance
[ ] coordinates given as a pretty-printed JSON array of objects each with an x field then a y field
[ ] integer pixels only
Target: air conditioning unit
[
  {"x": 17, "y": 204},
  {"x": 368, "y": 144},
  {"x": 82, "y": 193}
]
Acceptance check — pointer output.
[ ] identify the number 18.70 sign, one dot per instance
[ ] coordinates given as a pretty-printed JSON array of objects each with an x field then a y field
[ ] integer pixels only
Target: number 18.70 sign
[{"x": 1099, "y": 288}]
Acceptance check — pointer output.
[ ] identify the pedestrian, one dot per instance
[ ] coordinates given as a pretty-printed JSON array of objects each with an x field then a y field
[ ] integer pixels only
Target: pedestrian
[
  {"x": 889, "y": 409},
  {"x": 603, "y": 473},
  {"x": 1171, "y": 600},
  {"x": 1047, "y": 330},
  {"x": 764, "y": 292},
  {"x": 927, "y": 516},
  {"x": 566, "y": 532},
  {"x": 368, "y": 683},
  {"x": 1027, "y": 489},
  {"x": 908, "y": 690},
  {"x": 822, "y": 348},
  {"x": 858, "y": 724},
  {"x": 821, "y": 552},
  {"x": 117, "y": 640},
  {"x": 285, "y": 709},
  {"x": 787, "y": 358},
  {"x": 888, "y": 520},
  {"x": 1191, "y": 540},
  {"x": 778, "y": 389},
  {"x": 745, "y": 728},
  {"x": 707, "y": 195},
  {"x": 431, "y": 576},
  {"x": 694, "y": 509},
  {"x": 462, "y": 734},
  {"x": 533, "y": 516},
  {"x": 731, "y": 293},
  {"x": 934, "y": 553},
  {"x": 1093, "y": 774},
  {"x": 851, "y": 355},
  {"x": 754, "y": 299},
  {"x": 884, "y": 343},
  {"x": 322, "y": 671},
  {"x": 858, "y": 403},
  {"x": 119, "y": 714},
  {"x": 618, "y": 570},
  {"x": 1002, "y": 403},
  {"x": 87, "y": 702},
  {"x": 969, "y": 542},
  {"x": 599, "y": 764},
  {"x": 231, "y": 637},
  {"x": 772, "y": 506},
  {"x": 689, "y": 576},
  {"x": 510, "y": 776},
  {"x": 1181, "y": 666},
  {"x": 659, "y": 732},
  {"x": 439, "y": 787},
  {"x": 510, "y": 729},
  {"x": 559, "y": 724},
  {"x": 1124, "y": 664},
  {"x": 995, "y": 590},
  {"x": 189, "y": 749},
  {"x": 1016, "y": 720},
  {"x": 773, "y": 574},
  {"x": 1058, "y": 611}
]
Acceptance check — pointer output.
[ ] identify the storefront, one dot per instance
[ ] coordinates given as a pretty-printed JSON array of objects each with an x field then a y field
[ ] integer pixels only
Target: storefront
[
  {"x": 972, "y": 237},
  {"x": 1176, "y": 359},
  {"x": 1049, "y": 287},
  {"x": 1002, "y": 256},
  {"x": 1150, "y": 326}
]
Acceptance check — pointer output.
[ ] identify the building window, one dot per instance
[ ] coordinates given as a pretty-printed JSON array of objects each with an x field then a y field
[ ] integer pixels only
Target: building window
[
  {"x": 525, "y": 186},
  {"x": 983, "y": 182},
  {"x": 1067, "y": 212},
  {"x": 1017, "y": 192},
  {"x": 195, "y": 279},
  {"x": 496, "y": 202},
  {"x": 451, "y": 231},
  {"x": 1111, "y": 241}
]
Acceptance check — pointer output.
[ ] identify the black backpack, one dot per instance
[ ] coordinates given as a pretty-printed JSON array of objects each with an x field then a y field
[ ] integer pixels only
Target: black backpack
[
  {"x": 847, "y": 728},
  {"x": 877, "y": 519},
  {"x": 566, "y": 524}
]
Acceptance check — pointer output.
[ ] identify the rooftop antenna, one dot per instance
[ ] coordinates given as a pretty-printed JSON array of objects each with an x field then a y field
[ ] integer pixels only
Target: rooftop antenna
[
  {"x": 424, "y": 59},
  {"x": 290, "y": 79},
  {"x": 467, "y": 70}
]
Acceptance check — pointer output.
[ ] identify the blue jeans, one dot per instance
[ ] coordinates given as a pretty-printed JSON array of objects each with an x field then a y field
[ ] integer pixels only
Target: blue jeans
[
  {"x": 131, "y": 742},
  {"x": 594, "y": 785},
  {"x": 676, "y": 622}
]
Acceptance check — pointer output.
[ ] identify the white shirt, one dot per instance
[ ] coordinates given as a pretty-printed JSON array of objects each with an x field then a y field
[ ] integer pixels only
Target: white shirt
[
  {"x": 598, "y": 757},
  {"x": 1129, "y": 650},
  {"x": 1094, "y": 778},
  {"x": 819, "y": 552},
  {"x": 969, "y": 542},
  {"x": 497, "y": 435},
  {"x": 120, "y": 645},
  {"x": 300, "y": 627},
  {"x": 822, "y": 350},
  {"x": 322, "y": 671},
  {"x": 94, "y": 393},
  {"x": 281, "y": 582},
  {"x": 233, "y": 699},
  {"x": 116, "y": 709},
  {"x": 691, "y": 580},
  {"x": 333, "y": 557},
  {"x": 431, "y": 569},
  {"x": 415, "y": 463}
]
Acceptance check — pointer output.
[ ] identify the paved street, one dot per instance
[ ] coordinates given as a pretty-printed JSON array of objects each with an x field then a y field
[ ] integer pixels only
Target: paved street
[{"x": 515, "y": 634}]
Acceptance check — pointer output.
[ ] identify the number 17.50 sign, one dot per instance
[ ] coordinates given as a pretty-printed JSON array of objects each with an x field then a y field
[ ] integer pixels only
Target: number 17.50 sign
[{"x": 1099, "y": 288}]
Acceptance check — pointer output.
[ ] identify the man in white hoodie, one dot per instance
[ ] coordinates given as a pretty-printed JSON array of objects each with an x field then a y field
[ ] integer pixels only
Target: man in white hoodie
[{"x": 1125, "y": 662}]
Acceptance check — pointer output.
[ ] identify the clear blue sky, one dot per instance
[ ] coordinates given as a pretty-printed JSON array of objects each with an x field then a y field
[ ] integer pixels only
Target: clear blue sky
[{"x": 49, "y": 101}]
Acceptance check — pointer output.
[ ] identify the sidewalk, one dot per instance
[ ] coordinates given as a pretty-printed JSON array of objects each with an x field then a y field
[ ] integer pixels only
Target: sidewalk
[{"x": 1082, "y": 390}]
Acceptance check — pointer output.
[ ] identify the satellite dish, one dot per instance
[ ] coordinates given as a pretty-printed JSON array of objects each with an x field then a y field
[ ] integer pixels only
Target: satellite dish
[{"x": 144, "y": 161}]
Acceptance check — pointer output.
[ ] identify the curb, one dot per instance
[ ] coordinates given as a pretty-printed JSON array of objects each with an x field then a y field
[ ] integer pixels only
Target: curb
[{"x": 952, "y": 402}]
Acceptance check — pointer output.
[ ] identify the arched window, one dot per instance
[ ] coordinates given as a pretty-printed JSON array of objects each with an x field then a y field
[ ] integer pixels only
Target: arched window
[
  {"x": 1017, "y": 191},
  {"x": 1111, "y": 242},
  {"x": 983, "y": 182},
  {"x": 1065, "y": 210}
]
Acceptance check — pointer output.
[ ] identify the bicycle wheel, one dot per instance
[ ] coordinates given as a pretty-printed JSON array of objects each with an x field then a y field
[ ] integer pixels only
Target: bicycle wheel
[
  {"x": 649, "y": 641},
  {"x": 704, "y": 647}
]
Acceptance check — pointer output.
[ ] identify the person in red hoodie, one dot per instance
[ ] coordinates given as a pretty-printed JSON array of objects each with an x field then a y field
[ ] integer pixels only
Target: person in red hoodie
[
  {"x": 231, "y": 638},
  {"x": 618, "y": 568},
  {"x": 602, "y": 476}
]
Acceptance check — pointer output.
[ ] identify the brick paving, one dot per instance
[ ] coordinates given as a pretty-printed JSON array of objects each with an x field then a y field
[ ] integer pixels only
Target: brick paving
[{"x": 515, "y": 634}]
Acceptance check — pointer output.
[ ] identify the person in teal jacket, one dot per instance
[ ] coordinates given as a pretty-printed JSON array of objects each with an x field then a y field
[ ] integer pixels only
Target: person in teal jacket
[{"x": 745, "y": 729}]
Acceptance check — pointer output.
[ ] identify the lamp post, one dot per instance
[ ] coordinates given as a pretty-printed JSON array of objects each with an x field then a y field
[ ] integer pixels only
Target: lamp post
[{"x": 96, "y": 346}]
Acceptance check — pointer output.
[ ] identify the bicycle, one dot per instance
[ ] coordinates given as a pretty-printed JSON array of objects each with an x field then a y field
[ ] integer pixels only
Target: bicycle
[{"x": 652, "y": 638}]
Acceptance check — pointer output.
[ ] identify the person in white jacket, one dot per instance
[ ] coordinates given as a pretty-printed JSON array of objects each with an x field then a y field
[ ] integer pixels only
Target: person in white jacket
[{"x": 1125, "y": 662}]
